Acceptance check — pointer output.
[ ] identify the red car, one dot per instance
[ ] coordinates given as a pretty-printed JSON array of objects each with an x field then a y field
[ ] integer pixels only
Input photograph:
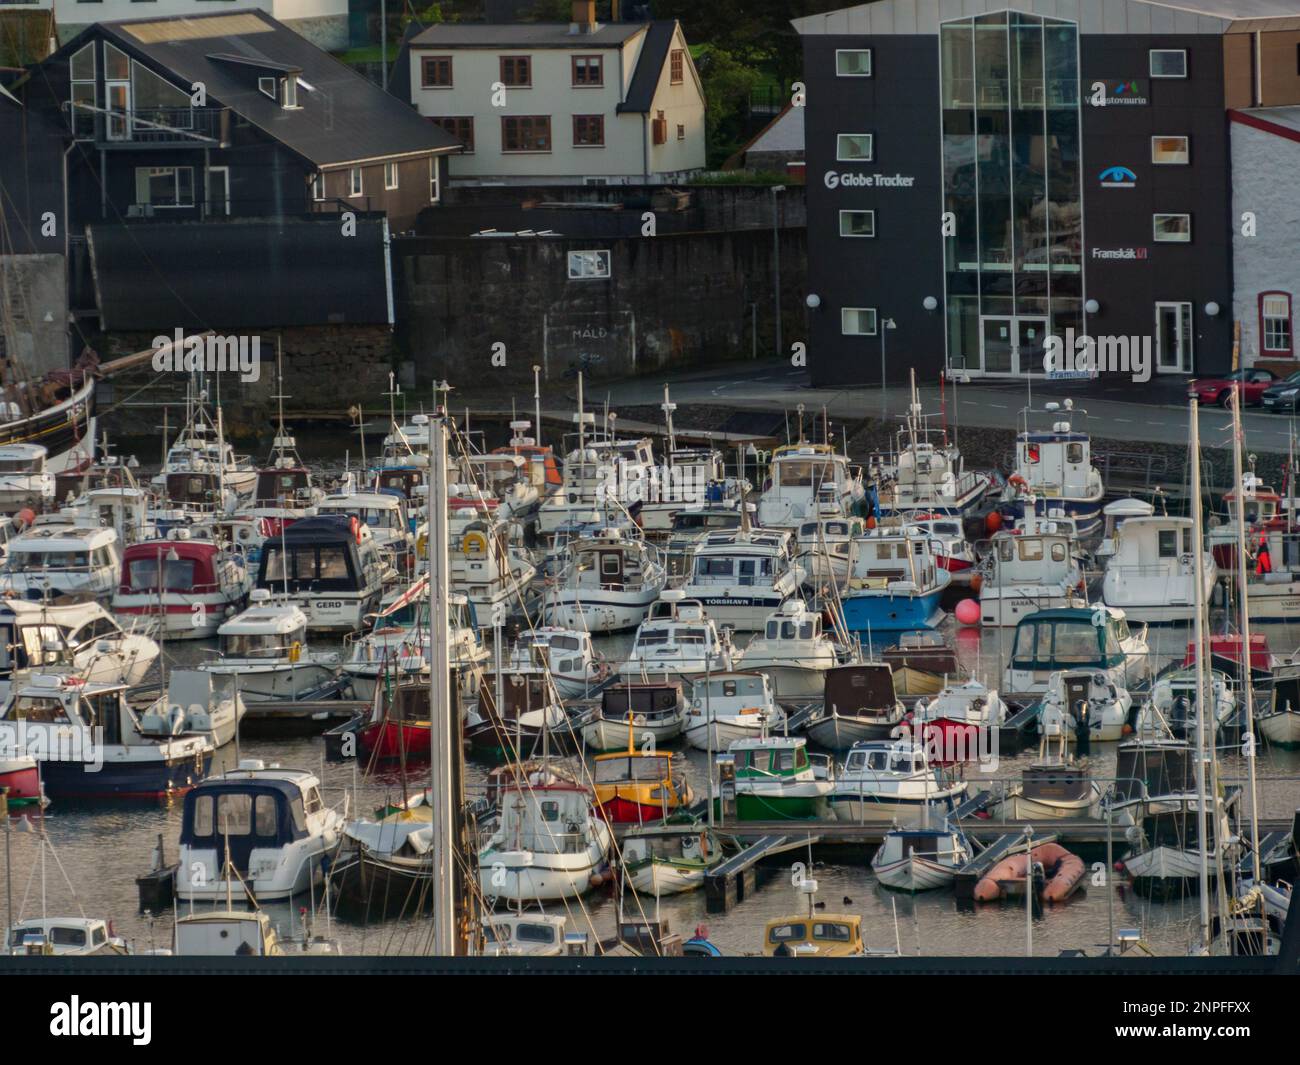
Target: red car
[{"x": 1252, "y": 384}]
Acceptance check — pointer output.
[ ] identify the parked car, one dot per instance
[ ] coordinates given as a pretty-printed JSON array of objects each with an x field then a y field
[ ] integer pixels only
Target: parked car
[
  {"x": 1283, "y": 395},
  {"x": 1251, "y": 382}
]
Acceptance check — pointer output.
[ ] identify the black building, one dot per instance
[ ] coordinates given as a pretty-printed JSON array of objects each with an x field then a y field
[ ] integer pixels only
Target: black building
[{"x": 982, "y": 177}]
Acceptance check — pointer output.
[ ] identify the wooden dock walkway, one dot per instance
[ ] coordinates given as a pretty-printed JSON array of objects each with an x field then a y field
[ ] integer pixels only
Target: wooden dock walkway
[{"x": 735, "y": 879}]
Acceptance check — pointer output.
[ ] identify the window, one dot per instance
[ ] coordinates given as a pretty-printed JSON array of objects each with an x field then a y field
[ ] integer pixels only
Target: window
[
  {"x": 267, "y": 86},
  {"x": 355, "y": 185},
  {"x": 1173, "y": 229},
  {"x": 681, "y": 132},
  {"x": 676, "y": 66},
  {"x": 434, "y": 178},
  {"x": 390, "y": 175},
  {"x": 1167, "y": 543},
  {"x": 1170, "y": 151},
  {"x": 1275, "y": 322},
  {"x": 117, "y": 66},
  {"x": 164, "y": 186},
  {"x": 435, "y": 72},
  {"x": 588, "y": 265},
  {"x": 589, "y": 131},
  {"x": 517, "y": 71},
  {"x": 858, "y": 321},
  {"x": 853, "y": 62},
  {"x": 318, "y": 186},
  {"x": 588, "y": 71},
  {"x": 462, "y": 128},
  {"x": 659, "y": 129},
  {"x": 857, "y": 223},
  {"x": 1168, "y": 63},
  {"x": 526, "y": 133},
  {"x": 854, "y": 147},
  {"x": 289, "y": 87},
  {"x": 82, "y": 73}
]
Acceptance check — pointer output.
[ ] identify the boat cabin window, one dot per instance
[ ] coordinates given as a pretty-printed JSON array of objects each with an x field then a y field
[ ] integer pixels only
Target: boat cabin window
[
  {"x": 787, "y": 630},
  {"x": 834, "y": 931},
  {"x": 550, "y": 810},
  {"x": 1187, "y": 541},
  {"x": 888, "y": 550},
  {"x": 177, "y": 576},
  {"x": 27, "y": 561},
  {"x": 258, "y": 644},
  {"x": 1167, "y": 540},
  {"x": 808, "y": 629},
  {"x": 33, "y": 465},
  {"x": 38, "y": 709},
  {"x": 946, "y": 528},
  {"x": 610, "y": 770},
  {"x": 801, "y": 473},
  {"x": 1006, "y": 551},
  {"x": 1074, "y": 453},
  {"x": 782, "y": 933},
  {"x": 534, "y": 933},
  {"x": 310, "y": 564},
  {"x": 1031, "y": 550},
  {"x": 787, "y": 761},
  {"x": 312, "y": 800},
  {"x": 42, "y": 645},
  {"x": 714, "y": 567},
  {"x": 67, "y": 937}
]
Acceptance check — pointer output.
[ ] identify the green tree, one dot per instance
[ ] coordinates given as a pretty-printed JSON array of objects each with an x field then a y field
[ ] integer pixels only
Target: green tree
[{"x": 727, "y": 84}]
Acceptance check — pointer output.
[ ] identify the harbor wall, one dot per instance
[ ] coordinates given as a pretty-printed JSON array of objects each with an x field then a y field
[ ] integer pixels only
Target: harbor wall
[{"x": 474, "y": 310}]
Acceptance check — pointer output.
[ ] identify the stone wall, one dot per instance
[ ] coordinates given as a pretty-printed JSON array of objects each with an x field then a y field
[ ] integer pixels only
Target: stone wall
[
  {"x": 34, "y": 289},
  {"x": 672, "y": 300}
]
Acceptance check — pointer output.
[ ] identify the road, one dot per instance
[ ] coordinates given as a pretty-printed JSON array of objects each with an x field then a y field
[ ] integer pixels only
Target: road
[{"x": 1152, "y": 412}]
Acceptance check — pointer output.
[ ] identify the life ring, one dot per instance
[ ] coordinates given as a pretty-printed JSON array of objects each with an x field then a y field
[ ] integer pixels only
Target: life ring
[
  {"x": 295, "y": 651},
  {"x": 474, "y": 543}
]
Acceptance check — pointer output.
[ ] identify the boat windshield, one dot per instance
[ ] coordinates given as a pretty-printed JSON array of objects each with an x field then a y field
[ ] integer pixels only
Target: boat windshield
[
  {"x": 259, "y": 644},
  {"x": 28, "y": 561},
  {"x": 177, "y": 575},
  {"x": 612, "y": 770}
]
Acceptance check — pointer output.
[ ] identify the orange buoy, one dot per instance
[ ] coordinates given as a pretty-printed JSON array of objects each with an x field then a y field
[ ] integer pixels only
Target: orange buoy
[
  {"x": 871, "y": 522},
  {"x": 993, "y": 522},
  {"x": 976, "y": 583}
]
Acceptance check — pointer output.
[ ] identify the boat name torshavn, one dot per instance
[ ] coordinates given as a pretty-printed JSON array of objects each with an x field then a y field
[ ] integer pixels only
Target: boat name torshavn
[
  {"x": 79, "y": 1018},
  {"x": 208, "y": 354}
]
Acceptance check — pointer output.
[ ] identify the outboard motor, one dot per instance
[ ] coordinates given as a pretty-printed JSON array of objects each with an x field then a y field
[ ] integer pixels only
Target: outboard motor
[{"x": 1082, "y": 728}]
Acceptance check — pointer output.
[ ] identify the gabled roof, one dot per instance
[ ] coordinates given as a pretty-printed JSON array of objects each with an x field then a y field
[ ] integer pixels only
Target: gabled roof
[
  {"x": 649, "y": 65},
  {"x": 341, "y": 117},
  {"x": 524, "y": 35}
]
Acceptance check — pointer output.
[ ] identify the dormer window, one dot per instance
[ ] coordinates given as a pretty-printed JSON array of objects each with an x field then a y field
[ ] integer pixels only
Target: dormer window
[
  {"x": 289, "y": 90},
  {"x": 267, "y": 85}
]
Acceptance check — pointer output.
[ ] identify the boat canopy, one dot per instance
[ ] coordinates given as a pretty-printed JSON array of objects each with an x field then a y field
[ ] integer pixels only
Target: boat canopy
[
  {"x": 853, "y": 688},
  {"x": 1068, "y": 638},
  {"x": 248, "y": 812}
]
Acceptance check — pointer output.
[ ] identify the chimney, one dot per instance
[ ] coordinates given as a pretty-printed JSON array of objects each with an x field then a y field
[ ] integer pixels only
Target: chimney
[{"x": 584, "y": 17}]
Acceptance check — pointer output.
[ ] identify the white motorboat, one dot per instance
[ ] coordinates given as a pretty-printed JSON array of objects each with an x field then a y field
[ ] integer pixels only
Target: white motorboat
[
  {"x": 550, "y": 843},
  {"x": 893, "y": 782},
  {"x": 740, "y": 578},
  {"x": 794, "y": 652},
  {"x": 796, "y": 493},
  {"x": 606, "y": 584},
  {"x": 64, "y": 937},
  {"x": 656, "y": 713},
  {"x": 1071, "y": 692},
  {"x": 824, "y": 549},
  {"x": 1096, "y": 638},
  {"x": 895, "y": 582},
  {"x": 967, "y": 702},
  {"x": 57, "y": 559},
  {"x": 668, "y": 859},
  {"x": 384, "y": 514},
  {"x": 1154, "y": 567},
  {"x": 1170, "y": 709},
  {"x": 689, "y": 529},
  {"x": 1027, "y": 570},
  {"x": 574, "y": 664},
  {"x": 265, "y": 824},
  {"x": 1054, "y": 468},
  {"x": 859, "y": 703},
  {"x": 775, "y": 778},
  {"x": 678, "y": 639},
  {"x": 265, "y": 649},
  {"x": 486, "y": 567},
  {"x": 725, "y": 707},
  {"x": 920, "y": 859}
]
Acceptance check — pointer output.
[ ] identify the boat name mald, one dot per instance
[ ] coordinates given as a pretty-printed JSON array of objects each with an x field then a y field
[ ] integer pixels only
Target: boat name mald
[
  {"x": 208, "y": 354},
  {"x": 118, "y": 1019}
]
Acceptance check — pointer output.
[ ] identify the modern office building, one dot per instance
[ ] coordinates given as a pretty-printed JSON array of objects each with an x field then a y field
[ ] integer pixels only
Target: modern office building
[{"x": 982, "y": 176}]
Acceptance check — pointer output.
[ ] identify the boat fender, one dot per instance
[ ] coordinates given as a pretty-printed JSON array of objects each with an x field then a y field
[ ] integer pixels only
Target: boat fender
[
  {"x": 356, "y": 529},
  {"x": 295, "y": 651}
]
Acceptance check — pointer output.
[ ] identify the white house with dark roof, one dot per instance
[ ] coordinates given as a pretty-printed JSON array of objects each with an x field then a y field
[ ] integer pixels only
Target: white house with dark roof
[{"x": 555, "y": 103}]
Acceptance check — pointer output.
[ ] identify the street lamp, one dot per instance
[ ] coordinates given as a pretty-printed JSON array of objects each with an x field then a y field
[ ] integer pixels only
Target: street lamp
[
  {"x": 776, "y": 191},
  {"x": 885, "y": 326}
]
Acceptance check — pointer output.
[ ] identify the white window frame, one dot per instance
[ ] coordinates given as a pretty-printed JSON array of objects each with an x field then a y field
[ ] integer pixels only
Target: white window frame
[
  {"x": 870, "y": 157},
  {"x": 176, "y": 185},
  {"x": 844, "y": 324},
  {"x": 357, "y": 188},
  {"x": 1265, "y": 318},
  {"x": 1151, "y": 61},
  {"x": 94, "y": 92},
  {"x": 435, "y": 180},
  {"x": 289, "y": 88},
  {"x": 858, "y": 236},
  {"x": 591, "y": 265},
  {"x": 396, "y": 177},
  {"x": 318, "y": 187},
  {"x": 271, "y": 92},
  {"x": 1155, "y": 227},
  {"x": 871, "y": 62},
  {"x": 1186, "y": 153}
]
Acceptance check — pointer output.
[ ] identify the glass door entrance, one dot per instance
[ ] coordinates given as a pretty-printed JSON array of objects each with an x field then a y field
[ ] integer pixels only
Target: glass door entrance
[
  {"x": 1012, "y": 345},
  {"x": 1173, "y": 338}
]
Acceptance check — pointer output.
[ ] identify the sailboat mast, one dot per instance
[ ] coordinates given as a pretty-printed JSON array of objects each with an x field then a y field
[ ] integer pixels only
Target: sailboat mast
[
  {"x": 1198, "y": 533},
  {"x": 441, "y": 792},
  {"x": 1243, "y": 606}
]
